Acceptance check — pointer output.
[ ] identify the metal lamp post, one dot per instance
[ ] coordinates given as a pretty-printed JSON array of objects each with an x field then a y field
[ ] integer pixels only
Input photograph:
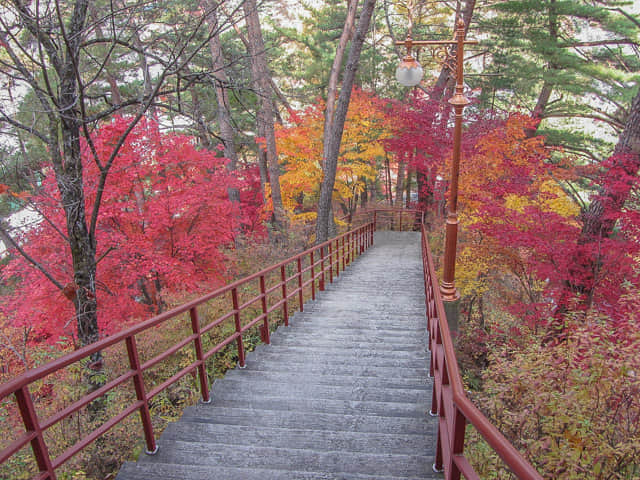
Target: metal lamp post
[{"x": 409, "y": 73}]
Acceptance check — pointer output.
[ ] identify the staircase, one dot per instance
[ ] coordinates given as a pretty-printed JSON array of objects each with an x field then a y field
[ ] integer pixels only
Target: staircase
[{"x": 343, "y": 393}]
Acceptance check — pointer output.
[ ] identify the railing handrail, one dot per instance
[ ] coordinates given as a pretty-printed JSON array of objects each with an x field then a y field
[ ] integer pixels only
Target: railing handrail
[
  {"x": 440, "y": 334},
  {"x": 37, "y": 373}
]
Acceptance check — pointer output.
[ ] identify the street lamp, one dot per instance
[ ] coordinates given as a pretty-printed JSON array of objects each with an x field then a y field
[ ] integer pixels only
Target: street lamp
[{"x": 409, "y": 73}]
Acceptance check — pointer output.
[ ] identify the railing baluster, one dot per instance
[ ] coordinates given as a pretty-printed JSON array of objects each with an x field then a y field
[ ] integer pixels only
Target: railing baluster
[
  {"x": 300, "y": 292},
  {"x": 330, "y": 262},
  {"x": 265, "y": 335},
  {"x": 285, "y": 304},
  {"x": 202, "y": 371},
  {"x": 313, "y": 277},
  {"x": 351, "y": 247},
  {"x": 238, "y": 324},
  {"x": 344, "y": 254},
  {"x": 141, "y": 395},
  {"x": 457, "y": 442},
  {"x": 31, "y": 424},
  {"x": 322, "y": 269}
]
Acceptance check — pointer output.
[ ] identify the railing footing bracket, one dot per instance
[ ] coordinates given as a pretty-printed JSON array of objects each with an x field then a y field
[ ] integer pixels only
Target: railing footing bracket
[
  {"x": 242, "y": 366},
  {"x": 206, "y": 402},
  {"x": 433, "y": 414},
  {"x": 436, "y": 469},
  {"x": 152, "y": 452}
]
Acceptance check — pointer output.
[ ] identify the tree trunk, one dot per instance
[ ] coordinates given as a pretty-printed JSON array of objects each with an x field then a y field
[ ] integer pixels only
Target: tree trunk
[
  {"x": 547, "y": 86},
  {"x": 400, "y": 182},
  {"x": 628, "y": 152},
  {"x": 598, "y": 223},
  {"x": 332, "y": 89},
  {"x": 227, "y": 132},
  {"x": 407, "y": 188},
  {"x": 69, "y": 177},
  {"x": 265, "y": 116},
  {"x": 387, "y": 179},
  {"x": 364, "y": 197},
  {"x": 335, "y": 134}
]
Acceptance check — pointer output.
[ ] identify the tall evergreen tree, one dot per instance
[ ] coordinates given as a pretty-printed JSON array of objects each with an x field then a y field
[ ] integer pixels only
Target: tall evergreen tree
[{"x": 569, "y": 62}]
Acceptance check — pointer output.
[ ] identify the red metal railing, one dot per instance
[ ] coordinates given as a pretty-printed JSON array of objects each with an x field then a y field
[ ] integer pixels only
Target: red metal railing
[
  {"x": 295, "y": 275},
  {"x": 308, "y": 270},
  {"x": 449, "y": 402}
]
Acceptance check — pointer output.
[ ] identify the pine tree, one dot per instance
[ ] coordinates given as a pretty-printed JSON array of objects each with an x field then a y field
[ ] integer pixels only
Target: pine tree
[{"x": 568, "y": 62}]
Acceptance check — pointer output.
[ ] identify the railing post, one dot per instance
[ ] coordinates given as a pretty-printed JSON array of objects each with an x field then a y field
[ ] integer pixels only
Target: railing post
[
  {"x": 265, "y": 335},
  {"x": 372, "y": 229},
  {"x": 31, "y": 424},
  {"x": 236, "y": 317},
  {"x": 330, "y": 263},
  {"x": 353, "y": 247},
  {"x": 322, "y": 269},
  {"x": 375, "y": 219},
  {"x": 202, "y": 371},
  {"x": 400, "y": 221},
  {"x": 348, "y": 251},
  {"x": 285, "y": 304},
  {"x": 437, "y": 465},
  {"x": 141, "y": 395},
  {"x": 344, "y": 254},
  {"x": 363, "y": 238},
  {"x": 313, "y": 276},
  {"x": 457, "y": 443},
  {"x": 300, "y": 292}
]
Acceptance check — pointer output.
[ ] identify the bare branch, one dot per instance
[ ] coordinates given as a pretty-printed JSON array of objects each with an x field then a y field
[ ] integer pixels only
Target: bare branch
[{"x": 8, "y": 239}]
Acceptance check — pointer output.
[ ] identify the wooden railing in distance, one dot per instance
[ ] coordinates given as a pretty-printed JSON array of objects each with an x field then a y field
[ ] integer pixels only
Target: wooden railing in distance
[
  {"x": 400, "y": 219},
  {"x": 280, "y": 287},
  {"x": 450, "y": 403}
]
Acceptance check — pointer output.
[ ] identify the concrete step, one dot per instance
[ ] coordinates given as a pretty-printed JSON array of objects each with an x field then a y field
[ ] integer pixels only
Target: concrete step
[
  {"x": 311, "y": 327},
  {"x": 299, "y": 366},
  {"x": 163, "y": 471},
  {"x": 337, "y": 358},
  {"x": 307, "y": 420},
  {"x": 322, "y": 405},
  {"x": 322, "y": 440},
  {"x": 359, "y": 391},
  {"x": 329, "y": 342},
  {"x": 292, "y": 459},
  {"x": 393, "y": 381},
  {"x": 311, "y": 351}
]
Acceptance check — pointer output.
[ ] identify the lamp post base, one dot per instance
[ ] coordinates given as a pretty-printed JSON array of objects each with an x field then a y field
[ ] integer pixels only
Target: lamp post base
[
  {"x": 449, "y": 292},
  {"x": 452, "y": 311}
]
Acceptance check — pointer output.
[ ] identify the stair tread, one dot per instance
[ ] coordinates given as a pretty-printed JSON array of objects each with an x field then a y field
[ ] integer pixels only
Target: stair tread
[
  {"x": 161, "y": 471},
  {"x": 257, "y": 456}
]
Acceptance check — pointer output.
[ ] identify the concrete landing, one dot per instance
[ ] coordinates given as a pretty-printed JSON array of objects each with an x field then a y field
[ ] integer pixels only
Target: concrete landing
[{"x": 343, "y": 393}]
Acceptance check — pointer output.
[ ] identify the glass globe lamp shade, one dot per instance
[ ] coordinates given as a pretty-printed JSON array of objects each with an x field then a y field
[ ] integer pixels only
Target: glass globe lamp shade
[{"x": 409, "y": 72}]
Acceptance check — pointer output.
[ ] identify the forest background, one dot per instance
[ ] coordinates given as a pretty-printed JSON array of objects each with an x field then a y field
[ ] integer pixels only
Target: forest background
[{"x": 158, "y": 146}]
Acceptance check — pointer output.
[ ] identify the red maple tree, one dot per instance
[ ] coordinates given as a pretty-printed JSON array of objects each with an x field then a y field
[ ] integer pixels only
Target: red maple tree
[{"x": 164, "y": 221}]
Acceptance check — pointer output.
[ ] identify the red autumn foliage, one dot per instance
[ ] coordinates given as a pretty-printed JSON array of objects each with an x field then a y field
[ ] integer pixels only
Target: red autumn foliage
[{"x": 164, "y": 220}]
